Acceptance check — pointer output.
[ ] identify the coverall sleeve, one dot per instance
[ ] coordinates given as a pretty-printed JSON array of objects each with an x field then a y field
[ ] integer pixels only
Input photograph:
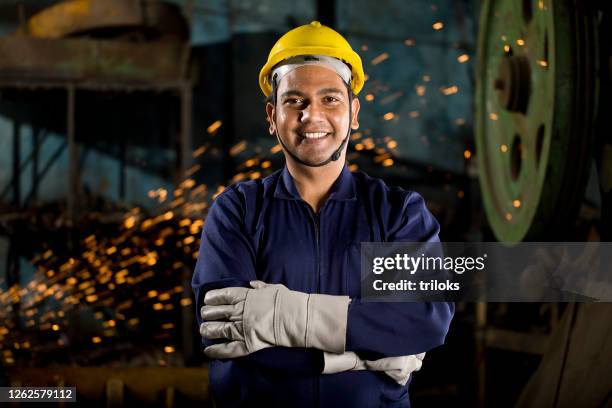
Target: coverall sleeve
[
  {"x": 387, "y": 329},
  {"x": 227, "y": 258}
]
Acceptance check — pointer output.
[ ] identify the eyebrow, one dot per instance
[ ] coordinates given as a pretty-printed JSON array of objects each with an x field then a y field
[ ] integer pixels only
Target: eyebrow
[
  {"x": 295, "y": 92},
  {"x": 292, "y": 92},
  {"x": 329, "y": 90}
]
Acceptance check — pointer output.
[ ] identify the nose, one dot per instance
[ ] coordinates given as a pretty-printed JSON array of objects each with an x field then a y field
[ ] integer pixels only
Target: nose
[{"x": 311, "y": 113}]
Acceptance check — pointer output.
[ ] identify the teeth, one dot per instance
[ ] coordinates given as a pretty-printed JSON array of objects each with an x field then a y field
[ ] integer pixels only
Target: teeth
[{"x": 314, "y": 135}]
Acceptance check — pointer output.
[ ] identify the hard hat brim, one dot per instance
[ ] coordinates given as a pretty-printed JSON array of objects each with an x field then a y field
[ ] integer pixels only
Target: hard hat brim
[{"x": 350, "y": 57}]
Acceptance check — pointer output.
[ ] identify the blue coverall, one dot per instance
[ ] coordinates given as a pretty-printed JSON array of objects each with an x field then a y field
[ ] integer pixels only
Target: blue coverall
[{"x": 263, "y": 230}]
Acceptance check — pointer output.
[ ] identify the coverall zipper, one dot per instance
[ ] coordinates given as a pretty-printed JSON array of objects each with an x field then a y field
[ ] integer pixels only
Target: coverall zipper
[
  {"x": 315, "y": 218},
  {"x": 317, "y": 288},
  {"x": 318, "y": 278}
]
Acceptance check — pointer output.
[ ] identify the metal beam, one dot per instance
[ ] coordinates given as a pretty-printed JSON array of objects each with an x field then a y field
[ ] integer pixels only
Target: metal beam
[
  {"x": 52, "y": 159},
  {"x": 38, "y": 137},
  {"x": 72, "y": 153},
  {"x": 23, "y": 164},
  {"x": 83, "y": 60}
]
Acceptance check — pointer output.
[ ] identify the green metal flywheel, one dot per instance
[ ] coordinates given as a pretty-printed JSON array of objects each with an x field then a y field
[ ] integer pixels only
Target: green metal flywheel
[{"x": 536, "y": 98}]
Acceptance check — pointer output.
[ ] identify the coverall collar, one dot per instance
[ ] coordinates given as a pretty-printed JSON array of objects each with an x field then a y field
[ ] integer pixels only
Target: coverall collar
[{"x": 343, "y": 188}]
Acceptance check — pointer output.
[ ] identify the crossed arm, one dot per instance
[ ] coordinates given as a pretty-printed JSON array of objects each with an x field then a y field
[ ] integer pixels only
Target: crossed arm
[
  {"x": 263, "y": 316},
  {"x": 322, "y": 333}
]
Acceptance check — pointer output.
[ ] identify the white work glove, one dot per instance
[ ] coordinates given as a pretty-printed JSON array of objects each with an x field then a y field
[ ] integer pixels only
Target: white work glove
[
  {"x": 272, "y": 315},
  {"x": 398, "y": 368}
]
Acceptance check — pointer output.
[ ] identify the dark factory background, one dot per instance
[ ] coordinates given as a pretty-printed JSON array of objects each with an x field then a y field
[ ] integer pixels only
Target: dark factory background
[{"x": 120, "y": 120}]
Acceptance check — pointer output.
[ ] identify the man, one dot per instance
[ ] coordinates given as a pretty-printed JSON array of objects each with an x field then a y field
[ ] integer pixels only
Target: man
[{"x": 277, "y": 280}]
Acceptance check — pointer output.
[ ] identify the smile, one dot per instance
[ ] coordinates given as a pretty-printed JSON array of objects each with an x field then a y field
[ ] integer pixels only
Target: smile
[{"x": 313, "y": 135}]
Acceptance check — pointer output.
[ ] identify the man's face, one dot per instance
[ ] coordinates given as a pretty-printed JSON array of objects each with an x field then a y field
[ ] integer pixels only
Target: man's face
[{"x": 312, "y": 113}]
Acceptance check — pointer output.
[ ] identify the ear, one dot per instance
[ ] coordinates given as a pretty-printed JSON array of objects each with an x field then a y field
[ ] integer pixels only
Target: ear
[
  {"x": 355, "y": 105},
  {"x": 270, "y": 111}
]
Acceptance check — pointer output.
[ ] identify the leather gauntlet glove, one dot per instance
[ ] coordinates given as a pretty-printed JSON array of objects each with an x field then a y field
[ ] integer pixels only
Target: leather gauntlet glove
[
  {"x": 272, "y": 315},
  {"x": 398, "y": 368}
]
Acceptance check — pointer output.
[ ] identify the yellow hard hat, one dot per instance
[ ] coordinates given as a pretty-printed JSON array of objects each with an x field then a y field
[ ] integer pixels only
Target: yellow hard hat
[{"x": 312, "y": 39}]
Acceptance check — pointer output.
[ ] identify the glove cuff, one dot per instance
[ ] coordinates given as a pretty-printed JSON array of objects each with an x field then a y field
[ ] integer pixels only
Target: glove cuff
[
  {"x": 327, "y": 321},
  {"x": 259, "y": 315},
  {"x": 337, "y": 363},
  {"x": 291, "y": 318}
]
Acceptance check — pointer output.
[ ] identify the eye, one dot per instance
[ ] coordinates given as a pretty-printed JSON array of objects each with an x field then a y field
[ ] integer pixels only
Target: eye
[
  {"x": 293, "y": 101},
  {"x": 331, "y": 99}
]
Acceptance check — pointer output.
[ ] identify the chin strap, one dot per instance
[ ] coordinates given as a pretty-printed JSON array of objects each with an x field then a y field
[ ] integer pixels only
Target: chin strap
[{"x": 335, "y": 155}]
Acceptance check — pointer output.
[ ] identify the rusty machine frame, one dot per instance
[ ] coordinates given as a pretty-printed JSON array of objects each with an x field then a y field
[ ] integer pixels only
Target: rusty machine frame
[{"x": 101, "y": 46}]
